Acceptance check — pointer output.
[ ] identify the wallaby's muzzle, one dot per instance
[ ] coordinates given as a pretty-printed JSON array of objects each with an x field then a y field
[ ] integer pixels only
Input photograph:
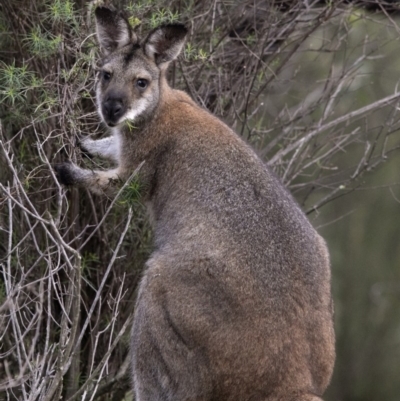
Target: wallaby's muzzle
[{"x": 113, "y": 109}]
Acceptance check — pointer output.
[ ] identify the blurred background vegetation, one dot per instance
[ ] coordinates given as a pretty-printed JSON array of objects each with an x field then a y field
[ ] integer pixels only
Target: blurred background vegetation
[{"x": 311, "y": 84}]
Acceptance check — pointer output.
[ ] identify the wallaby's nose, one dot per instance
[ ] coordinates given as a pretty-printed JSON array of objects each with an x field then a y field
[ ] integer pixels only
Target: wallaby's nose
[{"x": 113, "y": 109}]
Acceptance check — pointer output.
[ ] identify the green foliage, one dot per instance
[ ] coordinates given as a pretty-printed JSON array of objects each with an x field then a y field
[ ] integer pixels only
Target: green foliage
[
  {"x": 134, "y": 21},
  {"x": 24, "y": 95},
  {"x": 192, "y": 53},
  {"x": 251, "y": 39},
  {"x": 163, "y": 16},
  {"x": 5, "y": 36},
  {"x": 16, "y": 83},
  {"x": 138, "y": 7},
  {"x": 156, "y": 15},
  {"x": 61, "y": 11},
  {"x": 41, "y": 44},
  {"x": 132, "y": 193}
]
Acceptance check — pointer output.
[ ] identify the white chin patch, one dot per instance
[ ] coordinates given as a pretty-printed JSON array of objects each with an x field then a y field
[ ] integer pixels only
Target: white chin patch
[{"x": 132, "y": 114}]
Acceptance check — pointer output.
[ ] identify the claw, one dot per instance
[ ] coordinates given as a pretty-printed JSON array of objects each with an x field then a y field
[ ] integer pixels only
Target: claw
[
  {"x": 64, "y": 174},
  {"x": 81, "y": 146}
]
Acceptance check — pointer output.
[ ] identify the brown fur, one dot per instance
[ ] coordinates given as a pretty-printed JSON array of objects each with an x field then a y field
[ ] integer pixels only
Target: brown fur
[{"x": 235, "y": 301}]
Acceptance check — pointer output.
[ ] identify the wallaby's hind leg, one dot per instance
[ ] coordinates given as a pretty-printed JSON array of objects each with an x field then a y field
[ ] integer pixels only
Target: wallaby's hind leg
[
  {"x": 166, "y": 365},
  {"x": 164, "y": 368}
]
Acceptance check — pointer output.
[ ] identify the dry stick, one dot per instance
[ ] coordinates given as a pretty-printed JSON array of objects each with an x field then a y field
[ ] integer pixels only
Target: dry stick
[
  {"x": 74, "y": 300},
  {"x": 112, "y": 324},
  {"x": 325, "y": 155},
  {"x": 333, "y": 195},
  {"x": 97, "y": 297},
  {"x": 15, "y": 175},
  {"x": 362, "y": 161},
  {"x": 122, "y": 372},
  {"x": 390, "y": 123},
  {"x": 8, "y": 284},
  {"x": 328, "y": 198},
  {"x": 63, "y": 246},
  {"x": 111, "y": 205},
  {"x": 331, "y": 124},
  {"x": 38, "y": 372},
  {"x": 8, "y": 193},
  {"x": 96, "y": 342},
  {"x": 8, "y": 287},
  {"x": 296, "y": 115},
  {"x": 46, "y": 351},
  {"x": 19, "y": 337},
  {"x": 343, "y": 79},
  {"x": 25, "y": 237},
  {"x": 35, "y": 214},
  {"x": 247, "y": 102},
  {"x": 320, "y": 21},
  {"x": 43, "y": 157},
  {"x": 35, "y": 319},
  {"x": 94, "y": 331},
  {"x": 68, "y": 354},
  {"x": 291, "y": 162},
  {"x": 12, "y": 298},
  {"x": 107, "y": 272},
  {"x": 88, "y": 382},
  {"x": 42, "y": 255},
  {"x": 66, "y": 344},
  {"x": 287, "y": 28}
]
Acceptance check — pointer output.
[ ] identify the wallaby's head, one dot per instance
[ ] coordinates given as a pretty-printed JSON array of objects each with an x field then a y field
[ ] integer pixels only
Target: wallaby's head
[{"x": 128, "y": 86}]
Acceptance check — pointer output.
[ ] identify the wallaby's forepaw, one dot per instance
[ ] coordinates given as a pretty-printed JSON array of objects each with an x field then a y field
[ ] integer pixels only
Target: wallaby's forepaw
[
  {"x": 64, "y": 173},
  {"x": 80, "y": 143}
]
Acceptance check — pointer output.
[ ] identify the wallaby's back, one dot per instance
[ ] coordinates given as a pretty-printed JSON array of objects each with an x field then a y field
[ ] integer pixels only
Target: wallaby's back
[{"x": 235, "y": 303}]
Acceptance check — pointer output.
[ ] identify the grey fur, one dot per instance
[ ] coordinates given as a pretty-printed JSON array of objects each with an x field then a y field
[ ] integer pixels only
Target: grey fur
[{"x": 235, "y": 301}]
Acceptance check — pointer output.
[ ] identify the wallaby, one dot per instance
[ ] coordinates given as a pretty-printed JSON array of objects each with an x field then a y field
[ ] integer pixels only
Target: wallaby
[{"x": 235, "y": 300}]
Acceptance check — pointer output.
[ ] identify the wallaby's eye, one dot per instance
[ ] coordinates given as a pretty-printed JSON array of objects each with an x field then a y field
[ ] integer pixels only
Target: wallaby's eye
[
  {"x": 142, "y": 83},
  {"x": 106, "y": 76}
]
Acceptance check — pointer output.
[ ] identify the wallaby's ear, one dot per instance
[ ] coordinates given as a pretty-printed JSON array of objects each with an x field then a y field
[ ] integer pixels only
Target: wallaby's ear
[
  {"x": 113, "y": 30},
  {"x": 165, "y": 43}
]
